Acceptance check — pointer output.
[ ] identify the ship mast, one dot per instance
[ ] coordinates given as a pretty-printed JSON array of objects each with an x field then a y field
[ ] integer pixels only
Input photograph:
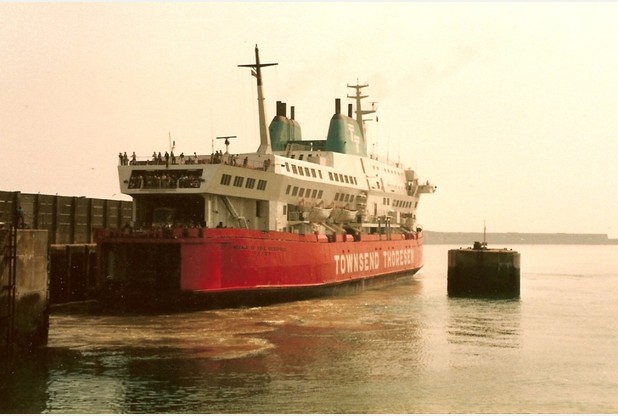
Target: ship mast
[
  {"x": 265, "y": 146},
  {"x": 359, "y": 111}
]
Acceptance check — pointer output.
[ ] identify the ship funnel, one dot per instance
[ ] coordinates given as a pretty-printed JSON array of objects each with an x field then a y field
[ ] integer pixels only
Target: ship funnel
[
  {"x": 283, "y": 129},
  {"x": 281, "y": 109},
  {"x": 337, "y": 105}
]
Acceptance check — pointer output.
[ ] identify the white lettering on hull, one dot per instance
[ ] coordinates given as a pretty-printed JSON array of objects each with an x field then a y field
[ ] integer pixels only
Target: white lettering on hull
[{"x": 369, "y": 261}]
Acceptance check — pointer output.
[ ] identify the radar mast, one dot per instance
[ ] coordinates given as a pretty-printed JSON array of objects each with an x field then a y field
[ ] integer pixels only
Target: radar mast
[
  {"x": 265, "y": 146},
  {"x": 359, "y": 111}
]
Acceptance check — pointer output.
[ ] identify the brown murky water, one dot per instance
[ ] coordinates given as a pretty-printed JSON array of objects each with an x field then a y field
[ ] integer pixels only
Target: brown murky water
[{"x": 405, "y": 348}]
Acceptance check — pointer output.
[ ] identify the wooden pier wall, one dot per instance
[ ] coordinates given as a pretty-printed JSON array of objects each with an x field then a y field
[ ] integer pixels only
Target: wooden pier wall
[{"x": 69, "y": 221}]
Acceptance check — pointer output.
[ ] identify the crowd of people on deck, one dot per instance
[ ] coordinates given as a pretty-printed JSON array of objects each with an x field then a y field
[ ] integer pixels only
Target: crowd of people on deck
[
  {"x": 168, "y": 158},
  {"x": 165, "y": 179},
  {"x": 228, "y": 159},
  {"x": 171, "y": 159}
]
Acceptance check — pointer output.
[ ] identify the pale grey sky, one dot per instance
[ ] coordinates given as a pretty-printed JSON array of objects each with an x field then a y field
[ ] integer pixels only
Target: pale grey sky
[{"x": 510, "y": 108}]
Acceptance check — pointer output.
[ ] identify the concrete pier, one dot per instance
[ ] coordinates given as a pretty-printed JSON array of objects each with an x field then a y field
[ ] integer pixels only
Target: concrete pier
[
  {"x": 24, "y": 294},
  {"x": 483, "y": 271}
]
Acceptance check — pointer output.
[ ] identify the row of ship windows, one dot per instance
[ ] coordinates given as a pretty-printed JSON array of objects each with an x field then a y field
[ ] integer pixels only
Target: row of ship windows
[
  {"x": 304, "y": 193},
  {"x": 311, "y": 172},
  {"x": 316, "y": 194},
  {"x": 397, "y": 172},
  {"x": 397, "y": 203},
  {"x": 240, "y": 180}
]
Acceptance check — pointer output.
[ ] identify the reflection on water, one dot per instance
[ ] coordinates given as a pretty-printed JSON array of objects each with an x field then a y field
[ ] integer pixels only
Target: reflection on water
[
  {"x": 484, "y": 322},
  {"x": 231, "y": 360},
  {"x": 406, "y": 348}
]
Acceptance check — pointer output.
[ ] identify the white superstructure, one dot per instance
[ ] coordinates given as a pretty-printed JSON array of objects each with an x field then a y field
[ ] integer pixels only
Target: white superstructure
[{"x": 288, "y": 184}]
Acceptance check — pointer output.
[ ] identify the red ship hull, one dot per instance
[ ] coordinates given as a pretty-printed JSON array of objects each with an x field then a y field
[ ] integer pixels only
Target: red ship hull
[{"x": 232, "y": 267}]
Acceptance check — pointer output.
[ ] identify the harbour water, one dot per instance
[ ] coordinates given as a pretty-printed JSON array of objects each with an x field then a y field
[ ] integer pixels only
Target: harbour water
[{"x": 405, "y": 348}]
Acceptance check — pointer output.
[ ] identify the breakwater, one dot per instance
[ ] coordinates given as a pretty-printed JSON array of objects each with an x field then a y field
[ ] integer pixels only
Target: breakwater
[{"x": 464, "y": 238}]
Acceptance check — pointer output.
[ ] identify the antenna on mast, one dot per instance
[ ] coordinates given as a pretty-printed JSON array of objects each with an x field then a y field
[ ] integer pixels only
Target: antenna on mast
[
  {"x": 359, "y": 111},
  {"x": 172, "y": 144},
  {"x": 256, "y": 71},
  {"x": 388, "y": 149},
  {"x": 212, "y": 141},
  {"x": 227, "y": 142}
]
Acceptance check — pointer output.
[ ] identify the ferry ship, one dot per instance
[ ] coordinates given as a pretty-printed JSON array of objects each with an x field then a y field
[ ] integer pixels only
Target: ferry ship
[{"x": 295, "y": 219}]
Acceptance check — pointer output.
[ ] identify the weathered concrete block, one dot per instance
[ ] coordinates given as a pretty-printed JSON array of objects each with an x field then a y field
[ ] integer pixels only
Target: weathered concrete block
[
  {"x": 26, "y": 325},
  {"x": 483, "y": 271}
]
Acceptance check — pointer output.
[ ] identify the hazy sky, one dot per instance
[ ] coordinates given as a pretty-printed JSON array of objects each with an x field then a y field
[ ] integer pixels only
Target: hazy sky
[{"x": 509, "y": 108}]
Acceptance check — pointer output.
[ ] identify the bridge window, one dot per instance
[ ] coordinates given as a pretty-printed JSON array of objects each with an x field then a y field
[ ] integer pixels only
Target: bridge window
[
  {"x": 261, "y": 185},
  {"x": 238, "y": 181},
  {"x": 250, "y": 183},
  {"x": 226, "y": 179}
]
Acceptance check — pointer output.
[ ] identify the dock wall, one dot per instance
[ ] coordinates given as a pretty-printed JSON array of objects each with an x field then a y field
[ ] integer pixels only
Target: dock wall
[
  {"x": 69, "y": 222},
  {"x": 67, "y": 219},
  {"x": 24, "y": 298}
]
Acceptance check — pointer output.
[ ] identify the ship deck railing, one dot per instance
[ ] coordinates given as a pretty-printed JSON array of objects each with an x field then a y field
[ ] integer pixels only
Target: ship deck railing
[
  {"x": 182, "y": 233},
  {"x": 229, "y": 159}
]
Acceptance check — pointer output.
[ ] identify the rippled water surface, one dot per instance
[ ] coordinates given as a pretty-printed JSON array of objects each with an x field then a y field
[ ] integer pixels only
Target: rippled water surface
[{"x": 405, "y": 348}]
